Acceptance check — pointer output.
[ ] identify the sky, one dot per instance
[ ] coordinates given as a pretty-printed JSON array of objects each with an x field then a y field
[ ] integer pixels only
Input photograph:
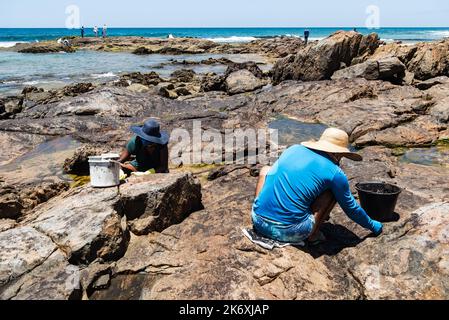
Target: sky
[{"x": 228, "y": 13}]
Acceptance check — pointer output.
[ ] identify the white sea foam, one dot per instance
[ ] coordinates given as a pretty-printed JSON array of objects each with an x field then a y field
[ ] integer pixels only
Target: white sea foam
[
  {"x": 291, "y": 35},
  {"x": 440, "y": 33},
  {"x": 10, "y": 44},
  {"x": 103, "y": 75},
  {"x": 232, "y": 39},
  {"x": 31, "y": 83}
]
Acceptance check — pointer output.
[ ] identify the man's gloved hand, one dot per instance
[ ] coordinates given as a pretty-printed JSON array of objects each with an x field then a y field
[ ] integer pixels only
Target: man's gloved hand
[{"x": 377, "y": 228}]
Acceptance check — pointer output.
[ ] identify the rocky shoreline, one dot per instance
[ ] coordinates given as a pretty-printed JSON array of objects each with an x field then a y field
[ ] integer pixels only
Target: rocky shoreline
[
  {"x": 178, "y": 236},
  {"x": 273, "y": 47}
]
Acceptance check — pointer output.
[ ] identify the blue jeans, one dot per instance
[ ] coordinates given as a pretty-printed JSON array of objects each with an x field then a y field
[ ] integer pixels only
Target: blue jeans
[{"x": 280, "y": 232}]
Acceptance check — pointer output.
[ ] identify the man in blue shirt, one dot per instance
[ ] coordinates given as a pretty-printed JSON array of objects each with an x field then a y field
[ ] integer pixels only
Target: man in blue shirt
[{"x": 297, "y": 194}]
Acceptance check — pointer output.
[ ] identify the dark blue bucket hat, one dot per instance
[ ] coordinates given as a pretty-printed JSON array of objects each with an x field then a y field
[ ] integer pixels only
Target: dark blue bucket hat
[{"x": 151, "y": 132}]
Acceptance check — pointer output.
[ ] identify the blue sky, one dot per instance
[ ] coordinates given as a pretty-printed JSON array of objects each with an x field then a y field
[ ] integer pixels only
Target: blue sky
[{"x": 228, "y": 13}]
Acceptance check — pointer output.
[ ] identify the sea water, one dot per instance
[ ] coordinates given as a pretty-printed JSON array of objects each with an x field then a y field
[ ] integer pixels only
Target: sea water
[
  {"x": 55, "y": 70},
  {"x": 8, "y": 36},
  {"x": 18, "y": 70}
]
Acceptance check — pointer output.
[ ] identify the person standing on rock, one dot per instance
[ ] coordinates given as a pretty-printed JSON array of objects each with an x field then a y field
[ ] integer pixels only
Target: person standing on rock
[
  {"x": 297, "y": 194},
  {"x": 105, "y": 31},
  {"x": 82, "y": 32},
  {"x": 150, "y": 148},
  {"x": 306, "y": 36},
  {"x": 96, "y": 31}
]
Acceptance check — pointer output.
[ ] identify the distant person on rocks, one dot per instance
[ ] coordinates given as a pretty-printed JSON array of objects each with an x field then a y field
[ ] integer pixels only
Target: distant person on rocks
[
  {"x": 96, "y": 31},
  {"x": 82, "y": 32},
  {"x": 297, "y": 194},
  {"x": 306, "y": 35},
  {"x": 105, "y": 31},
  {"x": 150, "y": 148}
]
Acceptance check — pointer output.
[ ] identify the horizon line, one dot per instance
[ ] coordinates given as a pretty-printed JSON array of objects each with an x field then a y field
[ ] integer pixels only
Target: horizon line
[{"x": 233, "y": 27}]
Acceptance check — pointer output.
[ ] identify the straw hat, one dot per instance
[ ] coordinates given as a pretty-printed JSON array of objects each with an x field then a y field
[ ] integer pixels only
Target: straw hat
[{"x": 334, "y": 141}]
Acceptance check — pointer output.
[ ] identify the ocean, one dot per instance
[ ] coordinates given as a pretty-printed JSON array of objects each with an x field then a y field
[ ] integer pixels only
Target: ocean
[
  {"x": 11, "y": 36},
  {"x": 56, "y": 70}
]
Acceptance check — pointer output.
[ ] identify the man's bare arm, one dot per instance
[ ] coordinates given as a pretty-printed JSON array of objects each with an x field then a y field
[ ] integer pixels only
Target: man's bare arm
[{"x": 125, "y": 156}]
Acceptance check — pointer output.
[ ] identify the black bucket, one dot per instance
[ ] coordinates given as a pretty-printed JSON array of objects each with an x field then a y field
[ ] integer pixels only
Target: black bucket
[{"x": 379, "y": 199}]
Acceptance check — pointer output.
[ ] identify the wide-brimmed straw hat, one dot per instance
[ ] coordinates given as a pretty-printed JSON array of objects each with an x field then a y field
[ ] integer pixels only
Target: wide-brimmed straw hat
[
  {"x": 151, "y": 132},
  {"x": 334, "y": 141}
]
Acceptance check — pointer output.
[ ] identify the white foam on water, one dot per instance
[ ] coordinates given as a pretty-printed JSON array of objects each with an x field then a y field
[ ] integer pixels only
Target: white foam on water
[
  {"x": 291, "y": 35},
  {"x": 233, "y": 39},
  {"x": 10, "y": 44},
  {"x": 31, "y": 83},
  {"x": 440, "y": 33},
  {"x": 8, "y": 82},
  {"x": 103, "y": 75}
]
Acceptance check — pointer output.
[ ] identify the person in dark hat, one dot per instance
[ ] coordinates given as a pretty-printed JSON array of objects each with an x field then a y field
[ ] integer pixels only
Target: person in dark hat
[{"x": 150, "y": 148}]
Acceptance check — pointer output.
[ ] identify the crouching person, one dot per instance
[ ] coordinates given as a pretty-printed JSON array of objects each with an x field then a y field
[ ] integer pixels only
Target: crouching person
[
  {"x": 297, "y": 194},
  {"x": 150, "y": 148}
]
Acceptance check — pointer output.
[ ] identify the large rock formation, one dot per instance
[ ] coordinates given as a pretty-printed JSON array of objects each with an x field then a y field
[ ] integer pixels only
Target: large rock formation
[
  {"x": 388, "y": 69},
  {"x": 320, "y": 60},
  {"x": 40, "y": 256},
  {"x": 154, "y": 203},
  {"x": 424, "y": 60}
]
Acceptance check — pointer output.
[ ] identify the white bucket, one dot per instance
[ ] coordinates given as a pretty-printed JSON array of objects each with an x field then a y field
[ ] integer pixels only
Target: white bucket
[{"x": 104, "y": 173}]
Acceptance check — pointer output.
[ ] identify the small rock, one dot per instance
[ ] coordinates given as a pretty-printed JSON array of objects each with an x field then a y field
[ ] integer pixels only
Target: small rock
[
  {"x": 102, "y": 282},
  {"x": 13, "y": 105},
  {"x": 184, "y": 75},
  {"x": 250, "y": 66},
  {"x": 31, "y": 89},
  {"x": 242, "y": 81},
  {"x": 142, "y": 51},
  {"x": 139, "y": 88},
  {"x": 182, "y": 91},
  {"x": 213, "y": 82},
  {"x": 166, "y": 93},
  {"x": 10, "y": 206}
]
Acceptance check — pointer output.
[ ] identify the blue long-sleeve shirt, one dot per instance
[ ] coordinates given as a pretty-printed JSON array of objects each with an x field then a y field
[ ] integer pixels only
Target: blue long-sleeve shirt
[{"x": 295, "y": 182}]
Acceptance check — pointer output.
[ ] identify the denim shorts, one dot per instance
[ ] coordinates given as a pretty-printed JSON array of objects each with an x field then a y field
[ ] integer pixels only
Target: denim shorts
[{"x": 277, "y": 231}]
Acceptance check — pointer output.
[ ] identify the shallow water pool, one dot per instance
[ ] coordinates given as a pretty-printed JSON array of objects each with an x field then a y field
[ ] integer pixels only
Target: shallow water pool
[
  {"x": 42, "y": 164},
  {"x": 434, "y": 156},
  {"x": 292, "y": 132}
]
